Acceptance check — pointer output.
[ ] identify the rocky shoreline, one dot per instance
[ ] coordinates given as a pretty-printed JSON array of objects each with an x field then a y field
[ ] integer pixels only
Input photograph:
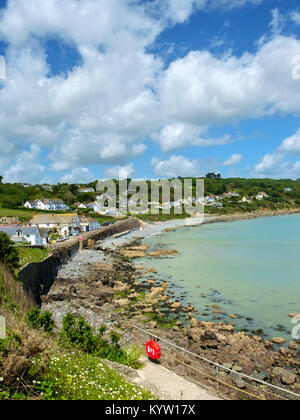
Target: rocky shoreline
[{"x": 105, "y": 286}]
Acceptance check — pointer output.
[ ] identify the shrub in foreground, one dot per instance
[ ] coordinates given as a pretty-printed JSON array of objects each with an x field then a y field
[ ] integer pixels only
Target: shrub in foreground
[
  {"x": 40, "y": 320},
  {"x": 81, "y": 335}
]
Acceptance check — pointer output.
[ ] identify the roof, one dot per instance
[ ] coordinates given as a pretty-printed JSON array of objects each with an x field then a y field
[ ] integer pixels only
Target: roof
[
  {"x": 43, "y": 232},
  {"x": 46, "y": 201},
  {"x": 84, "y": 219},
  {"x": 24, "y": 230},
  {"x": 56, "y": 219}
]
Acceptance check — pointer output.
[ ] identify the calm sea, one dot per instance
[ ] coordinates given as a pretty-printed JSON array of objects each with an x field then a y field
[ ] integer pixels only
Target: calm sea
[{"x": 248, "y": 268}]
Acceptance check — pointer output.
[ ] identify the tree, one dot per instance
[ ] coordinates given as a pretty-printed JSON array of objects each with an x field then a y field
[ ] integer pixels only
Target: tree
[
  {"x": 9, "y": 256},
  {"x": 213, "y": 175},
  {"x": 1, "y": 178}
]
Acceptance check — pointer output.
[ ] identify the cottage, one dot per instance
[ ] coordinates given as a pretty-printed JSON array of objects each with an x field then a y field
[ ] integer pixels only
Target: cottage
[
  {"x": 86, "y": 190},
  {"x": 24, "y": 234},
  {"x": 30, "y": 204},
  {"x": 88, "y": 224},
  {"x": 65, "y": 224},
  {"x": 261, "y": 196},
  {"x": 47, "y": 188},
  {"x": 47, "y": 204},
  {"x": 80, "y": 205}
]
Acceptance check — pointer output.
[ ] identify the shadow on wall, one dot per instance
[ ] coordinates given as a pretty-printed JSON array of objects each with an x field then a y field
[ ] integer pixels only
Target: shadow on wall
[{"x": 37, "y": 278}]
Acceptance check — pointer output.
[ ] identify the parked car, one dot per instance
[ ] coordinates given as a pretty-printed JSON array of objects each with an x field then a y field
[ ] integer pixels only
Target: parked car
[{"x": 105, "y": 224}]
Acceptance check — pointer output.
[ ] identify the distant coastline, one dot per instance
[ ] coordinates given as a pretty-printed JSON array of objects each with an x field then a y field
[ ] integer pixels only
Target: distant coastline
[{"x": 156, "y": 228}]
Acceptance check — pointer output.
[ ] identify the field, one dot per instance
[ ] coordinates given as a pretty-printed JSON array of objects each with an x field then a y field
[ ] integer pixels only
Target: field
[{"x": 21, "y": 213}]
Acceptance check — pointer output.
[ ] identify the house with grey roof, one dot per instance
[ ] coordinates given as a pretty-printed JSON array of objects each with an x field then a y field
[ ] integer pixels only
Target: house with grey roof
[
  {"x": 49, "y": 204},
  {"x": 88, "y": 224},
  {"x": 64, "y": 224},
  {"x": 24, "y": 234}
]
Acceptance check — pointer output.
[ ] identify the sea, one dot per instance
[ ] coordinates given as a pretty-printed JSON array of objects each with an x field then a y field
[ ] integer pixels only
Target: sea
[{"x": 248, "y": 268}]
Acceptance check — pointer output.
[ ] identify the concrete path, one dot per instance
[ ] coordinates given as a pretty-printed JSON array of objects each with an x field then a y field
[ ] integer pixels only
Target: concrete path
[{"x": 168, "y": 385}]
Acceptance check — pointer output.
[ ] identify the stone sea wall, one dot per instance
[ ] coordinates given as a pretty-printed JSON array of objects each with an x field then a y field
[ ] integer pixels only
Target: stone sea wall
[{"x": 37, "y": 278}]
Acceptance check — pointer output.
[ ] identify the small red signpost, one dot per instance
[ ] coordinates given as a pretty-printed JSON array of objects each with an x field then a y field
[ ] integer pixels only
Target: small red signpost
[{"x": 153, "y": 350}]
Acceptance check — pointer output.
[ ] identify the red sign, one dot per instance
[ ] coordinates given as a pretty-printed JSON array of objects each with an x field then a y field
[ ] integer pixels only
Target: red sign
[{"x": 153, "y": 350}]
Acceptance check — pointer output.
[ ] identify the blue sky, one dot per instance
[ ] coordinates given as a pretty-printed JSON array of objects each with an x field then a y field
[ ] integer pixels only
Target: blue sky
[{"x": 149, "y": 89}]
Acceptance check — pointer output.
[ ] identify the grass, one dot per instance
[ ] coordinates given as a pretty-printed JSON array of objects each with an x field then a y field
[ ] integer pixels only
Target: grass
[
  {"x": 28, "y": 255},
  {"x": 26, "y": 214},
  {"x": 21, "y": 213},
  {"x": 80, "y": 376}
]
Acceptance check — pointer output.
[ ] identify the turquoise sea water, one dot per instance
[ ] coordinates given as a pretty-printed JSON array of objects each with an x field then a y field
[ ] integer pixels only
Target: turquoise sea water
[{"x": 249, "y": 268}]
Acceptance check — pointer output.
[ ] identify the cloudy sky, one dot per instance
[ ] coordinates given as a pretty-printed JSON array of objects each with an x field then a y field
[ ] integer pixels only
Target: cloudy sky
[{"x": 149, "y": 88}]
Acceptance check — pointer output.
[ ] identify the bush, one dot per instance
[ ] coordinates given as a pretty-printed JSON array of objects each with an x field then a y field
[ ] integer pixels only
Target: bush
[
  {"x": 80, "y": 334},
  {"x": 38, "y": 320},
  {"x": 8, "y": 254}
]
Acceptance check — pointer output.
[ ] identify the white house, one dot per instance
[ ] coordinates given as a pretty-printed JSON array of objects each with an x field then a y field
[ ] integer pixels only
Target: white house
[
  {"x": 47, "y": 204},
  {"x": 65, "y": 224},
  {"x": 24, "y": 234},
  {"x": 30, "y": 205},
  {"x": 44, "y": 235},
  {"x": 86, "y": 190},
  {"x": 47, "y": 188},
  {"x": 288, "y": 189},
  {"x": 209, "y": 199},
  {"x": 261, "y": 196}
]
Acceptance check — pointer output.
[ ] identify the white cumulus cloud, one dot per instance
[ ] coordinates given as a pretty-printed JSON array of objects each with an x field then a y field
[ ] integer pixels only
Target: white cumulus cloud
[
  {"x": 277, "y": 164},
  {"x": 104, "y": 109},
  {"x": 120, "y": 172},
  {"x": 234, "y": 160},
  {"x": 175, "y": 166},
  {"x": 78, "y": 175}
]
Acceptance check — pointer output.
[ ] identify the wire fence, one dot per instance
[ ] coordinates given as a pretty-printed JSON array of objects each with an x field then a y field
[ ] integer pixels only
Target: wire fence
[{"x": 221, "y": 380}]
